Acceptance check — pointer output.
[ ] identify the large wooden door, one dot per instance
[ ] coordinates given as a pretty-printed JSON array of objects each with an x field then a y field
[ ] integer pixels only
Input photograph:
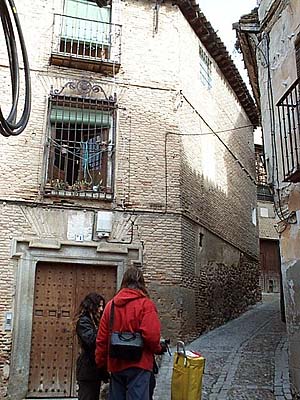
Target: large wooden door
[
  {"x": 270, "y": 266},
  {"x": 59, "y": 289}
]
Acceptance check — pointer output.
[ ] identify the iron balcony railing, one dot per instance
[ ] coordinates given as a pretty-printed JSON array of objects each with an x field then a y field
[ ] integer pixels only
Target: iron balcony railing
[
  {"x": 263, "y": 189},
  {"x": 289, "y": 129},
  {"x": 86, "y": 39}
]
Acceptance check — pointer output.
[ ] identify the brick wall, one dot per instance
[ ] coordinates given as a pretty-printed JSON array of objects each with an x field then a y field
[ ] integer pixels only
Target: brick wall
[
  {"x": 177, "y": 185},
  {"x": 267, "y": 220}
]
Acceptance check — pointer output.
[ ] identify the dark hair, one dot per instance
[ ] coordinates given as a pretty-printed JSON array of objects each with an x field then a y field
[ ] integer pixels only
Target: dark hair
[
  {"x": 90, "y": 304},
  {"x": 134, "y": 279}
]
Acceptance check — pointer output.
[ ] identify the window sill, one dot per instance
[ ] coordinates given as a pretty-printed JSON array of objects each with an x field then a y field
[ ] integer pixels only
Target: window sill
[
  {"x": 85, "y": 63},
  {"x": 90, "y": 195}
]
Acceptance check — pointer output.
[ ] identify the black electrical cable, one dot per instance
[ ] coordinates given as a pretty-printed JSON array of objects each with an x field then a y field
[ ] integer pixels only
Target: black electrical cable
[
  {"x": 275, "y": 164},
  {"x": 270, "y": 98},
  {"x": 9, "y": 126},
  {"x": 102, "y": 3}
]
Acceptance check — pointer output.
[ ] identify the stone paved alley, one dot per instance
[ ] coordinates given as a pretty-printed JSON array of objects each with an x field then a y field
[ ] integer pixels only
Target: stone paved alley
[{"x": 245, "y": 359}]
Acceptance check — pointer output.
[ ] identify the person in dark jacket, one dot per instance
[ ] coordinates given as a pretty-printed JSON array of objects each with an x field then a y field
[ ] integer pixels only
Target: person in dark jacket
[
  {"x": 88, "y": 375},
  {"x": 133, "y": 312}
]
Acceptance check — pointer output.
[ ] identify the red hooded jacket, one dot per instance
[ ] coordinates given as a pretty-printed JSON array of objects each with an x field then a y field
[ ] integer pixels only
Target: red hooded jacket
[{"x": 133, "y": 312}]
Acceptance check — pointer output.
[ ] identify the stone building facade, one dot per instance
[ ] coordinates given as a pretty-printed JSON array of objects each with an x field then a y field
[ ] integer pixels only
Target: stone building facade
[
  {"x": 269, "y": 252},
  {"x": 139, "y": 151},
  {"x": 272, "y": 57}
]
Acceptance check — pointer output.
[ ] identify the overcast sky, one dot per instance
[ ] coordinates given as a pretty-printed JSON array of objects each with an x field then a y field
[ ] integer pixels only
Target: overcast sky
[{"x": 222, "y": 14}]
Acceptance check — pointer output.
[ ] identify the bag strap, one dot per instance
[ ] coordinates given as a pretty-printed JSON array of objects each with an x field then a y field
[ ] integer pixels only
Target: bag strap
[
  {"x": 112, "y": 314},
  {"x": 111, "y": 317},
  {"x": 182, "y": 345}
]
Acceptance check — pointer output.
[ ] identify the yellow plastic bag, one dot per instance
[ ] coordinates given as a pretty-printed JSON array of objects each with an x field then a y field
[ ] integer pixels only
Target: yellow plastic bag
[{"x": 187, "y": 375}]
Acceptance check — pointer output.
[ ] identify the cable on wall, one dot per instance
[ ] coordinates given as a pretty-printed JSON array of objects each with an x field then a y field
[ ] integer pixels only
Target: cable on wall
[
  {"x": 10, "y": 126},
  {"x": 215, "y": 133},
  {"x": 284, "y": 220},
  {"x": 275, "y": 165}
]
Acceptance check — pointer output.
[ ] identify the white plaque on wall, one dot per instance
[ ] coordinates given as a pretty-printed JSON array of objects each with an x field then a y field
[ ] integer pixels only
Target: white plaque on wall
[{"x": 80, "y": 226}]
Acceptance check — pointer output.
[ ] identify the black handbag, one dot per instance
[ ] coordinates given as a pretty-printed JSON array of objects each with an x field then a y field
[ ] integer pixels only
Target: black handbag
[{"x": 124, "y": 345}]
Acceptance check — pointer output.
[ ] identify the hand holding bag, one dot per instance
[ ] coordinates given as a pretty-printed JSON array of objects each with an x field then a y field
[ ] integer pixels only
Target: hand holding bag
[{"x": 124, "y": 345}]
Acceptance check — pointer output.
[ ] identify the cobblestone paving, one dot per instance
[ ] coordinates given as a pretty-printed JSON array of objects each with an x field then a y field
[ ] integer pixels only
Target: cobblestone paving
[{"x": 246, "y": 359}]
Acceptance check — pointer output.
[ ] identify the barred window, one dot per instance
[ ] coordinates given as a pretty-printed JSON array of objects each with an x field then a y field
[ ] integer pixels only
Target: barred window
[
  {"x": 263, "y": 189},
  {"x": 85, "y": 29},
  {"x": 81, "y": 147},
  {"x": 205, "y": 68},
  {"x": 261, "y": 174},
  {"x": 288, "y": 108},
  {"x": 84, "y": 37}
]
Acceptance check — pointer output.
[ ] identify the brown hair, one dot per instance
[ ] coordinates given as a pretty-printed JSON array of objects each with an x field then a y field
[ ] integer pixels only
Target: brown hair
[
  {"x": 134, "y": 279},
  {"x": 90, "y": 305}
]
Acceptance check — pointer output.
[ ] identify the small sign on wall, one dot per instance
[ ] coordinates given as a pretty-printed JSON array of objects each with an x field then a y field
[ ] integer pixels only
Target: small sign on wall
[
  {"x": 264, "y": 212},
  {"x": 104, "y": 223},
  {"x": 80, "y": 226},
  {"x": 8, "y": 321},
  {"x": 254, "y": 216}
]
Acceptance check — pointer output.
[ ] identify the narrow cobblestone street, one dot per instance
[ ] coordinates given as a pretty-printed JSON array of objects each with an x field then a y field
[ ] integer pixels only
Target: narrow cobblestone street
[{"x": 245, "y": 359}]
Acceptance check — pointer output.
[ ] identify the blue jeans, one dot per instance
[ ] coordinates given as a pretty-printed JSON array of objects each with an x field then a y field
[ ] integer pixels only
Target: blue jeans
[{"x": 130, "y": 384}]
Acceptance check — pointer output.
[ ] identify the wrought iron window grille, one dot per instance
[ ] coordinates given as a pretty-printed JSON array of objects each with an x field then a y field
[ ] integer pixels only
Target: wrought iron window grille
[
  {"x": 288, "y": 108},
  {"x": 81, "y": 142}
]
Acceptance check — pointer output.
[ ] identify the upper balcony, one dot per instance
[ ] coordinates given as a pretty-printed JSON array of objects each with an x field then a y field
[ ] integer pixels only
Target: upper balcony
[
  {"x": 86, "y": 44},
  {"x": 263, "y": 189},
  {"x": 289, "y": 129}
]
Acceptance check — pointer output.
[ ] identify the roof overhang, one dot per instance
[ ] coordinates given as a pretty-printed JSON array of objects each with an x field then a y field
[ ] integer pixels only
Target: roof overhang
[
  {"x": 219, "y": 53},
  {"x": 247, "y": 29}
]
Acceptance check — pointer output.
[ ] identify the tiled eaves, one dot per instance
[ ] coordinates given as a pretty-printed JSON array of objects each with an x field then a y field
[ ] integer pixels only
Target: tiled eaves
[
  {"x": 247, "y": 25},
  {"x": 217, "y": 50}
]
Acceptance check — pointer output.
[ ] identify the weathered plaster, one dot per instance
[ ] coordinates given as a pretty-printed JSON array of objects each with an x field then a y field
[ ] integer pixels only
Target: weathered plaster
[{"x": 292, "y": 298}]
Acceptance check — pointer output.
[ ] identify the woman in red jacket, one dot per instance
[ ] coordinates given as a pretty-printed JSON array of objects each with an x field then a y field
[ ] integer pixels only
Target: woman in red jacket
[{"x": 133, "y": 312}]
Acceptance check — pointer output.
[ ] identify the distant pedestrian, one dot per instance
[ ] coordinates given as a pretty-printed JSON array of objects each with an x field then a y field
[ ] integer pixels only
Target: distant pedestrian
[
  {"x": 133, "y": 312},
  {"x": 88, "y": 375}
]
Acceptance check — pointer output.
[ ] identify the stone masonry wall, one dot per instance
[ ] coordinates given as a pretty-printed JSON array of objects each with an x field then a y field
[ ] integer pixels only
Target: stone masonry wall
[{"x": 224, "y": 280}]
